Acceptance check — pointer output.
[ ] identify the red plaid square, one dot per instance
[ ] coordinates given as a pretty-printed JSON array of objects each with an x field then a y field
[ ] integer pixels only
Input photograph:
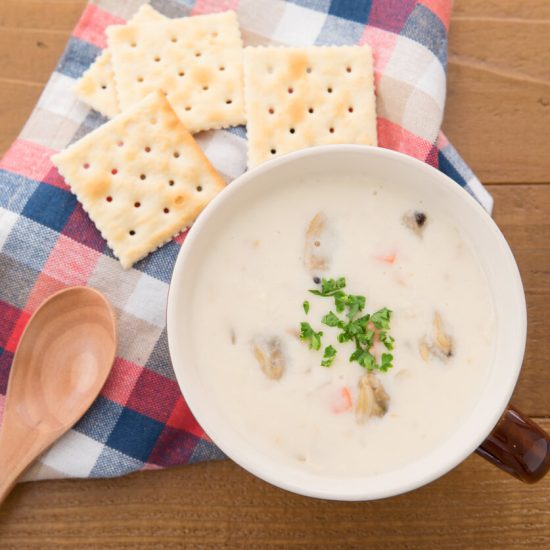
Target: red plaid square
[
  {"x": 154, "y": 396},
  {"x": 28, "y": 159},
  {"x": 393, "y": 136},
  {"x": 44, "y": 287},
  {"x": 121, "y": 381},
  {"x": 8, "y": 319},
  {"x": 92, "y": 25},
  {"x": 17, "y": 330},
  {"x": 71, "y": 262},
  {"x": 182, "y": 419}
]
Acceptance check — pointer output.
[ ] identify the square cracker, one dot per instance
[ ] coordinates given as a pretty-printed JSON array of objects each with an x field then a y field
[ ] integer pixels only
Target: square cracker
[
  {"x": 141, "y": 177},
  {"x": 196, "y": 61},
  {"x": 96, "y": 86},
  {"x": 299, "y": 97}
]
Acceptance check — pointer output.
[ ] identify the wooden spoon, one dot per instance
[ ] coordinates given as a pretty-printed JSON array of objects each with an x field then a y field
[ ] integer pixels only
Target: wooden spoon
[{"x": 62, "y": 361}]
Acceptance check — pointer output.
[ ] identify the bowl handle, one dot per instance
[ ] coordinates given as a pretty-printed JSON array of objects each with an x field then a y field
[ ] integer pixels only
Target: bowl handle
[{"x": 518, "y": 446}]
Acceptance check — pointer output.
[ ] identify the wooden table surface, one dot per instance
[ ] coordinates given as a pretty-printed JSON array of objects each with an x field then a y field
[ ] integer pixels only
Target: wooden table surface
[{"x": 498, "y": 116}]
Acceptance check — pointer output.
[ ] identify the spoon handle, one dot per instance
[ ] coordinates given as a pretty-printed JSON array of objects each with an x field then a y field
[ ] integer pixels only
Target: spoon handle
[{"x": 19, "y": 447}]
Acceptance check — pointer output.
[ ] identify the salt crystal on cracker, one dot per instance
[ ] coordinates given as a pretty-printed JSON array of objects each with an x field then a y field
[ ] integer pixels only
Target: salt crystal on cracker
[
  {"x": 196, "y": 61},
  {"x": 299, "y": 97},
  {"x": 96, "y": 86},
  {"x": 141, "y": 177}
]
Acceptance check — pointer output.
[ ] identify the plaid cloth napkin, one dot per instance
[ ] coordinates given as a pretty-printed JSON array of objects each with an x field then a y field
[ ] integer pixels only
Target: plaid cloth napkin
[{"x": 47, "y": 242}]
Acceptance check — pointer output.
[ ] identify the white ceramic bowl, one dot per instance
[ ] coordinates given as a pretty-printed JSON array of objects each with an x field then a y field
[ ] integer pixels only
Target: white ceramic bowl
[{"x": 494, "y": 256}]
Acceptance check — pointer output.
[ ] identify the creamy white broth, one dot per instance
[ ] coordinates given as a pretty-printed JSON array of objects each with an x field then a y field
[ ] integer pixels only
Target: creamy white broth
[{"x": 253, "y": 281}]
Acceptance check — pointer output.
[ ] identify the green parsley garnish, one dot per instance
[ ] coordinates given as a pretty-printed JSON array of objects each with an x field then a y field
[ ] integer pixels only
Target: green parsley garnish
[
  {"x": 305, "y": 305},
  {"x": 329, "y": 287},
  {"x": 309, "y": 335},
  {"x": 359, "y": 330},
  {"x": 328, "y": 356}
]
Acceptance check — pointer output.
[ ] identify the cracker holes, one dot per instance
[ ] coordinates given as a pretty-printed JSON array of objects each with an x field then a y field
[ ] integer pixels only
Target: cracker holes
[
  {"x": 292, "y": 130},
  {"x": 176, "y": 155},
  {"x": 120, "y": 143},
  {"x": 221, "y": 68},
  {"x": 198, "y": 54},
  {"x": 171, "y": 183},
  {"x": 350, "y": 109},
  {"x": 142, "y": 177},
  {"x": 157, "y": 59},
  {"x": 309, "y": 70},
  {"x": 331, "y": 130},
  {"x": 205, "y": 88},
  {"x": 133, "y": 44},
  {"x": 290, "y": 90},
  {"x": 188, "y": 108},
  {"x": 137, "y": 204},
  {"x": 109, "y": 198},
  {"x": 228, "y": 101},
  {"x": 140, "y": 79},
  {"x": 174, "y": 39},
  {"x": 317, "y": 244},
  {"x": 147, "y": 149},
  {"x": 104, "y": 86},
  {"x": 329, "y": 90},
  {"x": 273, "y": 151},
  {"x": 166, "y": 210},
  {"x": 181, "y": 73},
  {"x": 199, "y": 188},
  {"x": 86, "y": 165},
  {"x": 348, "y": 69},
  {"x": 311, "y": 110},
  {"x": 131, "y": 232},
  {"x": 114, "y": 171}
]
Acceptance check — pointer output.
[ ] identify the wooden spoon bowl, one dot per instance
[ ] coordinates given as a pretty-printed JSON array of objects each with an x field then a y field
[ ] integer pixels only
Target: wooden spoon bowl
[{"x": 63, "y": 359}]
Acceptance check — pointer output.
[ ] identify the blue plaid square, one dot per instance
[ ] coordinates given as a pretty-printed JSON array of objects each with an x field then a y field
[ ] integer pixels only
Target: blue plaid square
[
  {"x": 15, "y": 191},
  {"x": 135, "y": 435},
  {"x": 424, "y": 27},
  {"x": 339, "y": 32},
  {"x": 30, "y": 243},
  {"x": 100, "y": 420},
  {"x": 17, "y": 280},
  {"x": 78, "y": 56},
  {"x": 161, "y": 263},
  {"x": 205, "y": 450},
  {"x": 50, "y": 206},
  {"x": 317, "y": 5},
  {"x": 173, "y": 8},
  {"x": 353, "y": 10},
  {"x": 447, "y": 168}
]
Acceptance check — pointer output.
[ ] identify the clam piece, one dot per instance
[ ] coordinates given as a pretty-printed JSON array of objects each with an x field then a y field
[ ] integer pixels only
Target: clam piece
[
  {"x": 270, "y": 357},
  {"x": 443, "y": 341},
  {"x": 415, "y": 221},
  {"x": 315, "y": 261},
  {"x": 372, "y": 400},
  {"x": 439, "y": 345}
]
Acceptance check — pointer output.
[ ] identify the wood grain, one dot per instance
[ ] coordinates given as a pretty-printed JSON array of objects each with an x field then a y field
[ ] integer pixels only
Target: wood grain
[
  {"x": 497, "y": 115},
  {"x": 220, "y": 504}
]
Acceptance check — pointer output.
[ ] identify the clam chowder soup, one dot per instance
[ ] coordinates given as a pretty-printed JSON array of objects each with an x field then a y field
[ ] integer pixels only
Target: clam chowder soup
[{"x": 376, "y": 366}]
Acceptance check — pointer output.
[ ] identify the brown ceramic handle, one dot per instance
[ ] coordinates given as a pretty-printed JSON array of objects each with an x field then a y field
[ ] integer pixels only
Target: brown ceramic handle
[{"x": 518, "y": 446}]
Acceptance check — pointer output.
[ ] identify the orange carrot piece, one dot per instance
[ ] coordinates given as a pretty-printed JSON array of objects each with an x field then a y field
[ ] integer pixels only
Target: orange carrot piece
[{"x": 343, "y": 402}]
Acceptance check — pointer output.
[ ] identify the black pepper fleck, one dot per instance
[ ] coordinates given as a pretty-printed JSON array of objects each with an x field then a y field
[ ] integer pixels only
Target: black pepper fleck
[
  {"x": 420, "y": 218},
  {"x": 316, "y": 280}
]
